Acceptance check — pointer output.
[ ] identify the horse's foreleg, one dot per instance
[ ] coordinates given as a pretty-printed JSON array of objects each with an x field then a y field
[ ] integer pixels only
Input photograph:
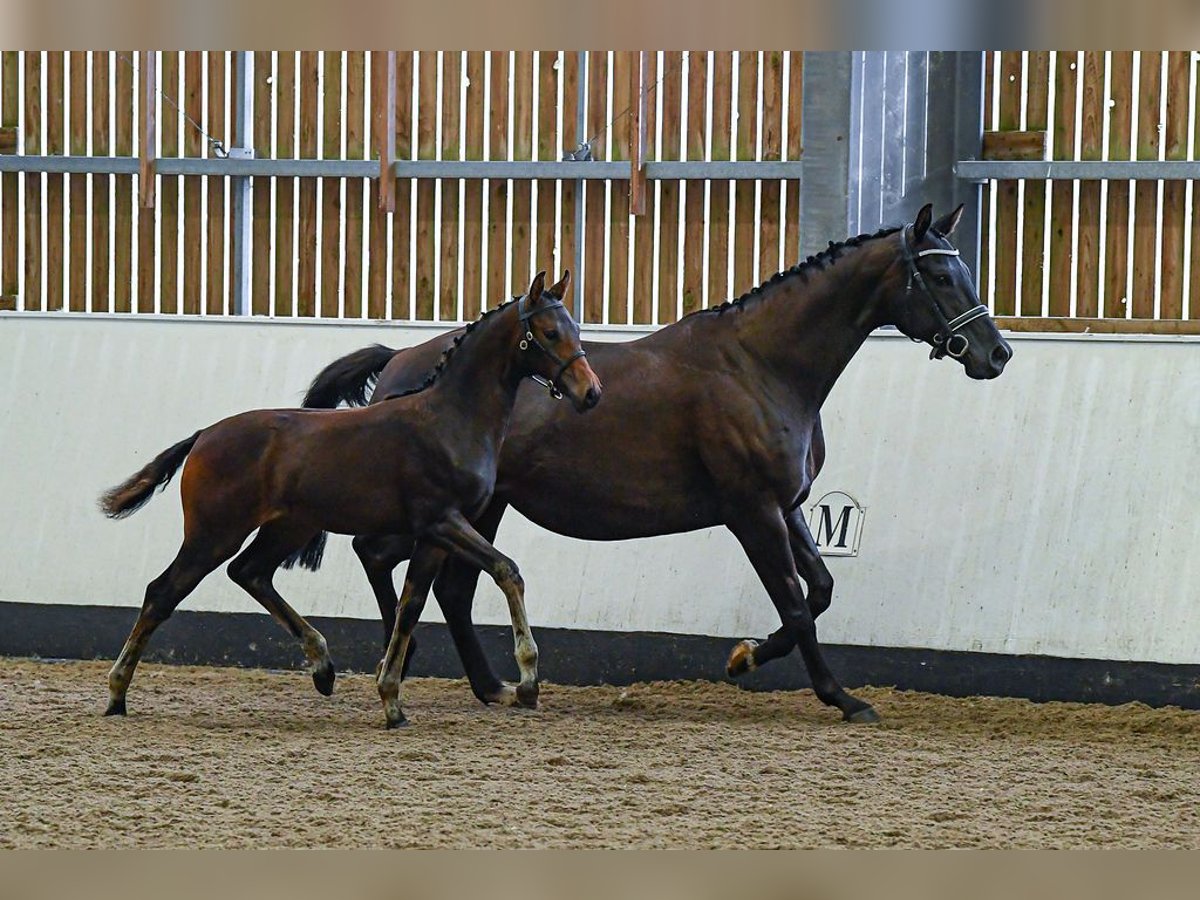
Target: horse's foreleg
[
  {"x": 457, "y": 535},
  {"x": 763, "y": 534},
  {"x": 455, "y": 593},
  {"x": 425, "y": 562},
  {"x": 254, "y": 569}
]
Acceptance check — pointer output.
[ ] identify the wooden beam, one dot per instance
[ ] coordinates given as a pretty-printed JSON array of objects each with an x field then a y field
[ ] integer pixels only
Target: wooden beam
[
  {"x": 1014, "y": 145},
  {"x": 1065, "y": 325},
  {"x": 148, "y": 146},
  {"x": 8, "y": 139},
  {"x": 385, "y": 120},
  {"x": 637, "y": 135}
]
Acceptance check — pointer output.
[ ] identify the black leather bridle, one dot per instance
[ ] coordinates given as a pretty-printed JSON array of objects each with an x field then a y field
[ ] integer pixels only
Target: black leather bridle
[
  {"x": 944, "y": 338},
  {"x": 530, "y": 339}
]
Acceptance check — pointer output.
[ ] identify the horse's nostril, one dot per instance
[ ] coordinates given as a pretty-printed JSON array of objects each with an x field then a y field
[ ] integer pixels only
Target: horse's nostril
[
  {"x": 592, "y": 397},
  {"x": 1001, "y": 354}
]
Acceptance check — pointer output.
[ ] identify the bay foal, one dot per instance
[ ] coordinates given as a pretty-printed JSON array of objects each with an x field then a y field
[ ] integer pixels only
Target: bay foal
[{"x": 424, "y": 464}]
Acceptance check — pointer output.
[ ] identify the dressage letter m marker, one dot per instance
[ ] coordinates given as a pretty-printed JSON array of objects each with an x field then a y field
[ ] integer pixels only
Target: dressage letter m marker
[
  {"x": 826, "y": 527},
  {"x": 835, "y": 522}
]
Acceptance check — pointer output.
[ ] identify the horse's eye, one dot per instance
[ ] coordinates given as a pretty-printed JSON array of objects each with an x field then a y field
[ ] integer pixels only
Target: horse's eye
[
  {"x": 552, "y": 335},
  {"x": 943, "y": 280}
]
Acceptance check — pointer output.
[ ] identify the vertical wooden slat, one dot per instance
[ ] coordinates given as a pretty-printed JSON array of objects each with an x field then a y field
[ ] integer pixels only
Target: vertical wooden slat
[
  {"x": 306, "y": 252},
  {"x": 55, "y": 102},
  {"x": 718, "y": 216},
  {"x": 31, "y": 288},
  {"x": 1034, "y": 230},
  {"x": 473, "y": 193},
  {"x": 101, "y": 184},
  {"x": 450, "y": 148},
  {"x": 769, "y": 261},
  {"x": 261, "y": 232},
  {"x": 745, "y": 217},
  {"x": 214, "y": 124},
  {"x": 1062, "y": 198},
  {"x": 382, "y": 116},
  {"x": 522, "y": 215},
  {"x": 618, "y": 220},
  {"x": 356, "y": 113},
  {"x": 1007, "y": 191},
  {"x": 331, "y": 188},
  {"x": 668, "y": 241},
  {"x": 402, "y": 274},
  {"x": 1193, "y": 310},
  {"x": 643, "y": 261},
  {"x": 1174, "y": 217},
  {"x": 193, "y": 145},
  {"x": 78, "y": 141},
  {"x": 1120, "y": 132},
  {"x": 285, "y": 188},
  {"x": 123, "y": 185},
  {"x": 985, "y": 195},
  {"x": 569, "y": 141},
  {"x": 546, "y": 146},
  {"x": 693, "y": 217},
  {"x": 1145, "y": 222},
  {"x": 795, "y": 121},
  {"x": 496, "y": 290},
  {"x": 426, "y": 191},
  {"x": 1091, "y": 147},
  {"x": 595, "y": 232},
  {"x": 10, "y": 210},
  {"x": 151, "y": 196}
]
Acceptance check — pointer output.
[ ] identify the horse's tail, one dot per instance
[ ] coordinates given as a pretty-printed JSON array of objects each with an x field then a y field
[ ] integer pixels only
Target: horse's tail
[
  {"x": 309, "y": 556},
  {"x": 131, "y": 495},
  {"x": 347, "y": 380}
]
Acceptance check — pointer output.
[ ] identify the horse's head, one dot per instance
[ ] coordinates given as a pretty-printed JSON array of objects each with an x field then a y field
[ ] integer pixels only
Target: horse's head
[
  {"x": 932, "y": 298},
  {"x": 549, "y": 345}
]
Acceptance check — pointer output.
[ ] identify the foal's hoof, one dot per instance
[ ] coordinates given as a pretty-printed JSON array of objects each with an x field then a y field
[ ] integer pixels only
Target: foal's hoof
[
  {"x": 115, "y": 707},
  {"x": 505, "y": 695},
  {"x": 527, "y": 695},
  {"x": 741, "y": 660},
  {"x": 323, "y": 677},
  {"x": 397, "y": 723},
  {"x": 864, "y": 716}
]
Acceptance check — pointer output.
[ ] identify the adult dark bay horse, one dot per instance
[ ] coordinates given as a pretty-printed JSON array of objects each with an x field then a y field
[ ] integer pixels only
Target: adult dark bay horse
[
  {"x": 714, "y": 420},
  {"x": 421, "y": 464}
]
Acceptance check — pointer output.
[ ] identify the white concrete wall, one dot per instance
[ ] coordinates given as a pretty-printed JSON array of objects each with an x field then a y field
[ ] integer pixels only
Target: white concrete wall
[{"x": 1053, "y": 511}]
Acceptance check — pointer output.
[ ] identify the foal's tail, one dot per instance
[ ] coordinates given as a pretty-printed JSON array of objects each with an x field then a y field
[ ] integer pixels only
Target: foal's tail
[
  {"x": 130, "y": 496},
  {"x": 347, "y": 380}
]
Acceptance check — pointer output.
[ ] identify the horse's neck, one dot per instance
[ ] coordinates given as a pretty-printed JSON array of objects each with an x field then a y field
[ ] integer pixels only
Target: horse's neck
[
  {"x": 805, "y": 330},
  {"x": 479, "y": 381}
]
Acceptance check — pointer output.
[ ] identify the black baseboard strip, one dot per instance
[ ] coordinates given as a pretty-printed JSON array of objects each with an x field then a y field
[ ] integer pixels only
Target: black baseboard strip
[{"x": 591, "y": 657}]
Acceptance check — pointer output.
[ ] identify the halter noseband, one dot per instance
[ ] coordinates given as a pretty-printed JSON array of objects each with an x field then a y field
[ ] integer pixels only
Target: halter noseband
[
  {"x": 530, "y": 338},
  {"x": 943, "y": 340}
]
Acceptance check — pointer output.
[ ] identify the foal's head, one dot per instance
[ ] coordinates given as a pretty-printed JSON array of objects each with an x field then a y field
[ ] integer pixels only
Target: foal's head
[
  {"x": 931, "y": 297},
  {"x": 549, "y": 346}
]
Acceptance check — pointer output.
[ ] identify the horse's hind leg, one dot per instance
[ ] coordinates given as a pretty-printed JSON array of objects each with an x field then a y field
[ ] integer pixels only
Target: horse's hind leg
[
  {"x": 455, "y": 533},
  {"x": 163, "y": 594},
  {"x": 426, "y": 560},
  {"x": 254, "y": 569}
]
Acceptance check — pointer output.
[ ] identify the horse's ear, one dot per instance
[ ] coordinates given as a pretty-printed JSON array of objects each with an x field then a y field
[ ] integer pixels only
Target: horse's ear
[
  {"x": 924, "y": 218},
  {"x": 946, "y": 224},
  {"x": 559, "y": 290},
  {"x": 536, "y": 287}
]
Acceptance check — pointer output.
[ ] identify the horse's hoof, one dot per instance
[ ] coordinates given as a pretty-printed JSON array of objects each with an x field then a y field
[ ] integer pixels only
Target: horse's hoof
[
  {"x": 864, "y": 716},
  {"x": 741, "y": 659},
  {"x": 397, "y": 723},
  {"x": 115, "y": 707},
  {"x": 323, "y": 677},
  {"x": 527, "y": 695},
  {"x": 506, "y": 695}
]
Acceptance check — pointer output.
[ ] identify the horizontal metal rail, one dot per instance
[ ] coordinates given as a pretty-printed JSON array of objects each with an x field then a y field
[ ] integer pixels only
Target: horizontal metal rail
[
  {"x": 424, "y": 168},
  {"x": 1087, "y": 170}
]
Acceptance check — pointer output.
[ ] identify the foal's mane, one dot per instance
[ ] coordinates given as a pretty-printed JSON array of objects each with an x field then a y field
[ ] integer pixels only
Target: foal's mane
[{"x": 802, "y": 269}]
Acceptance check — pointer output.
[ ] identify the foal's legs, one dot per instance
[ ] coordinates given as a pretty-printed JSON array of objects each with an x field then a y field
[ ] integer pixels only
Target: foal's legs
[
  {"x": 254, "y": 569},
  {"x": 748, "y": 655},
  {"x": 379, "y": 555},
  {"x": 763, "y": 534},
  {"x": 456, "y": 534},
  {"x": 425, "y": 562},
  {"x": 195, "y": 559}
]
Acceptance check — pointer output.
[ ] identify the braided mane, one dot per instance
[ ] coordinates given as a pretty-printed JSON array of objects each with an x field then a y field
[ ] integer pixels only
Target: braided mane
[{"x": 802, "y": 269}]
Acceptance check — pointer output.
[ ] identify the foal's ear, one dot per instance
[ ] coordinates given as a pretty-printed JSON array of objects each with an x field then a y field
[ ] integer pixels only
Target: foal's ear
[
  {"x": 536, "y": 287},
  {"x": 560, "y": 290},
  {"x": 924, "y": 218},
  {"x": 946, "y": 224}
]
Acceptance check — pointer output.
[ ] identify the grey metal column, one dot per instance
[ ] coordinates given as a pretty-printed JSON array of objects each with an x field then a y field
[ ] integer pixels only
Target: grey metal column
[
  {"x": 826, "y": 134},
  {"x": 968, "y": 144},
  {"x": 242, "y": 148}
]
